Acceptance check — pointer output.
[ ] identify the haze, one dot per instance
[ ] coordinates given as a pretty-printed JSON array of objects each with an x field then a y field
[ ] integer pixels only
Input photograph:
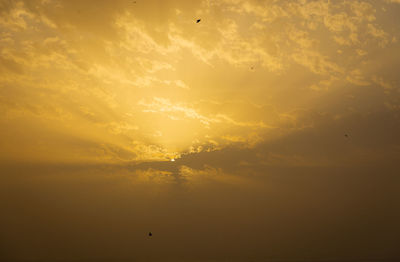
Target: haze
[{"x": 267, "y": 131}]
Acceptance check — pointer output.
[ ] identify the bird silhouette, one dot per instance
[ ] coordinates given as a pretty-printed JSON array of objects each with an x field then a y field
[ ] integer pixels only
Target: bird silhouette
[
  {"x": 198, "y": 21},
  {"x": 150, "y": 234},
  {"x": 346, "y": 135}
]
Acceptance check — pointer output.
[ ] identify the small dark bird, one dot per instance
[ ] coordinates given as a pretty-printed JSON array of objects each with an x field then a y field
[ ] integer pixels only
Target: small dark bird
[
  {"x": 198, "y": 21},
  {"x": 346, "y": 135},
  {"x": 252, "y": 67},
  {"x": 150, "y": 234}
]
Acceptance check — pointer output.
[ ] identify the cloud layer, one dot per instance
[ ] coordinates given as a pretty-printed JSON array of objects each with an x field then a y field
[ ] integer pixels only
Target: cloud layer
[{"x": 282, "y": 119}]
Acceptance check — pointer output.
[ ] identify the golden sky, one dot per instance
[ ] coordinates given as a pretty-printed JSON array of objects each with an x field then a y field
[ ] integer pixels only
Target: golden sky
[{"x": 290, "y": 108}]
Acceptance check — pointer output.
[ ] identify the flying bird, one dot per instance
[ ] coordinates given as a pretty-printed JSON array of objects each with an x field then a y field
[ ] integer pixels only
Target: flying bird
[
  {"x": 198, "y": 21},
  {"x": 346, "y": 135},
  {"x": 150, "y": 234}
]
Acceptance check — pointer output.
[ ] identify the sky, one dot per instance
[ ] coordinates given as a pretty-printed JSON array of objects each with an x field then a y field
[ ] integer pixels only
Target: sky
[{"x": 268, "y": 131}]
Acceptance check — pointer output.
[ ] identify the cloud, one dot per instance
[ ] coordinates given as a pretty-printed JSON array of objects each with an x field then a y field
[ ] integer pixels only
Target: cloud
[
  {"x": 357, "y": 78},
  {"x": 153, "y": 76},
  {"x": 282, "y": 118}
]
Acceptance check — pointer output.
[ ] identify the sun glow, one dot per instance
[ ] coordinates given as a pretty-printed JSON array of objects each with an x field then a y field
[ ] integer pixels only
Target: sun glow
[
  {"x": 231, "y": 130},
  {"x": 112, "y": 89}
]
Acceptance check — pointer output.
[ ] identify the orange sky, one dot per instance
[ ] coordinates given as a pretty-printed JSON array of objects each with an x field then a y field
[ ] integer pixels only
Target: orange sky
[{"x": 282, "y": 118}]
